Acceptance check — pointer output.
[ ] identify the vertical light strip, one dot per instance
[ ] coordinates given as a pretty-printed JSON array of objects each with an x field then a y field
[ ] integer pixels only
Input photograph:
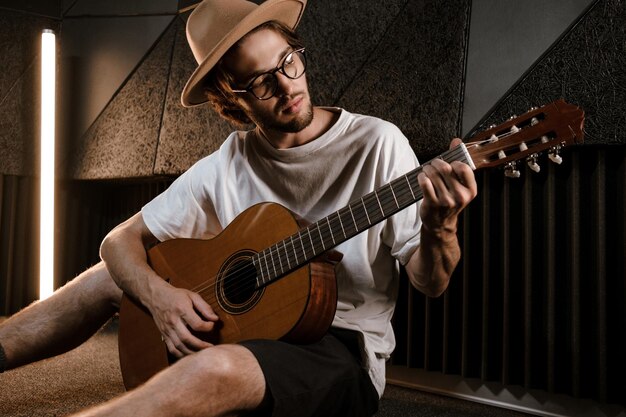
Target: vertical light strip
[{"x": 46, "y": 232}]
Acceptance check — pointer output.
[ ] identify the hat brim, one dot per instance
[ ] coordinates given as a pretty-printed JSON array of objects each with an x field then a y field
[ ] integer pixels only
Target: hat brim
[{"x": 287, "y": 12}]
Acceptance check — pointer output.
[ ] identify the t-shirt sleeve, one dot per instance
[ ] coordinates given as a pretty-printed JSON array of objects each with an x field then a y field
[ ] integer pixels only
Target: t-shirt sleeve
[
  {"x": 185, "y": 209},
  {"x": 402, "y": 230}
]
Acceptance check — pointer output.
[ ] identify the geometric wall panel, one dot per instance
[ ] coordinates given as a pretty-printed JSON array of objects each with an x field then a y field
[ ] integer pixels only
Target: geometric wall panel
[
  {"x": 187, "y": 134},
  {"x": 99, "y": 54},
  {"x": 506, "y": 38},
  {"x": 122, "y": 141},
  {"x": 587, "y": 68}
]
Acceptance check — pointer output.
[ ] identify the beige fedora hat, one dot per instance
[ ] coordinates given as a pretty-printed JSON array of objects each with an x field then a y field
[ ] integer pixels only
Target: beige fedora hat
[{"x": 216, "y": 25}]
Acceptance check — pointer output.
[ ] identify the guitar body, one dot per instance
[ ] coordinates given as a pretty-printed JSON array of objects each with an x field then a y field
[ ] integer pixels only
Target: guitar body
[{"x": 298, "y": 307}]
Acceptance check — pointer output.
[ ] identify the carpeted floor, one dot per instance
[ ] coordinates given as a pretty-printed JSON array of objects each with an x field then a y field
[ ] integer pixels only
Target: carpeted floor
[{"x": 90, "y": 375}]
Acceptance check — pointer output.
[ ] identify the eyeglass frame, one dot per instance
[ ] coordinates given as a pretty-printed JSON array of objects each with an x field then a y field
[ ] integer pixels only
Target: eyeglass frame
[{"x": 281, "y": 68}]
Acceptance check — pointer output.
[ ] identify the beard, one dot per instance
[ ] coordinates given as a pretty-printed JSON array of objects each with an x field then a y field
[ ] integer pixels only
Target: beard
[{"x": 295, "y": 125}]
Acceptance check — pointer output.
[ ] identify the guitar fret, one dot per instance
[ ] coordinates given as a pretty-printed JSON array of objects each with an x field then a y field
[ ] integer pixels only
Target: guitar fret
[
  {"x": 319, "y": 231},
  {"x": 273, "y": 264},
  {"x": 410, "y": 188},
  {"x": 254, "y": 262},
  {"x": 399, "y": 189},
  {"x": 266, "y": 266},
  {"x": 350, "y": 224},
  {"x": 312, "y": 244},
  {"x": 374, "y": 210},
  {"x": 394, "y": 196},
  {"x": 280, "y": 261},
  {"x": 360, "y": 215},
  {"x": 365, "y": 208},
  {"x": 356, "y": 227},
  {"x": 287, "y": 253},
  {"x": 295, "y": 254},
  {"x": 331, "y": 230},
  {"x": 388, "y": 200},
  {"x": 416, "y": 186},
  {"x": 341, "y": 224},
  {"x": 269, "y": 264},
  {"x": 379, "y": 205},
  {"x": 302, "y": 243}
]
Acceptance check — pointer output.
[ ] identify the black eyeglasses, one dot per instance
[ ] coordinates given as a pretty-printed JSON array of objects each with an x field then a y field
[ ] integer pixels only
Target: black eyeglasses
[{"x": 264, "y": 86}]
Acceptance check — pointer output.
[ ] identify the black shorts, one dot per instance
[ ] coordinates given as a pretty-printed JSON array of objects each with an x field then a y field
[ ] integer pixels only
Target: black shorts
[{"x": 320, "y": 379}]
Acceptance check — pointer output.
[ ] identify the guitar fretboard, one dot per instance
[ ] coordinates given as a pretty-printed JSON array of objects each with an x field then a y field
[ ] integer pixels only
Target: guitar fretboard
[{"x": 345, "y": 223}]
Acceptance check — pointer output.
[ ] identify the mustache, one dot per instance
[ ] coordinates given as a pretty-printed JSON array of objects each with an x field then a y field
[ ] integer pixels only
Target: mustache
[{"x": 284, "y": 101}]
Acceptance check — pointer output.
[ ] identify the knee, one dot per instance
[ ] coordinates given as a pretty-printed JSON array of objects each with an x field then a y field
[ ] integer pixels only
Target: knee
[
  {"x": 231, "y": 365},
  {"x": 220, "y": 380}
]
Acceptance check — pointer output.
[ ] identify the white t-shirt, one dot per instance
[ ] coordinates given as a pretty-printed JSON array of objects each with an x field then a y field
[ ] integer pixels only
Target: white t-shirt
[{"x": 355, "y": 156}]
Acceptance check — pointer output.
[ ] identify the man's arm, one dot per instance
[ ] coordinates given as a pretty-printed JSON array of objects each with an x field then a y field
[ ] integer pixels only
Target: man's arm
[
  {"x": 174, "y": 310},
  {"x": 447, "y": 189}
]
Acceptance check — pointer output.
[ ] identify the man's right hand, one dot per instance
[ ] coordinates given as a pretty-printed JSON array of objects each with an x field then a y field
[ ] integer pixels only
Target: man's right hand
[{"x": 177, "y": 312}]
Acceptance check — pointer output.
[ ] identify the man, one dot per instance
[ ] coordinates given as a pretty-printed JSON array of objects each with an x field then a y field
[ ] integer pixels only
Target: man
[{"x": 313, "y": 160}]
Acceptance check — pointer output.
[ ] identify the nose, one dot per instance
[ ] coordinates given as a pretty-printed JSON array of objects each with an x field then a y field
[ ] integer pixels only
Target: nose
[{"x": 284, "y": 84}]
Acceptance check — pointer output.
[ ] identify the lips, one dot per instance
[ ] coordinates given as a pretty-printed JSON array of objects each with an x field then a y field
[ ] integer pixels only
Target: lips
[{"x": 293, "y": 106}]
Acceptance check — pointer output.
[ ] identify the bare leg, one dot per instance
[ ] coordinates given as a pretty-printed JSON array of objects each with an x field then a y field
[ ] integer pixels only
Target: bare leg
[
  {"x": 62, "y": 321},
  {"x": 223, "y": 380}
]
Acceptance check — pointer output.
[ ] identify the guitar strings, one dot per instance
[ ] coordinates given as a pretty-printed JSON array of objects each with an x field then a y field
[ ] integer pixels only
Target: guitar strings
[{"x": 242, "y": 284}]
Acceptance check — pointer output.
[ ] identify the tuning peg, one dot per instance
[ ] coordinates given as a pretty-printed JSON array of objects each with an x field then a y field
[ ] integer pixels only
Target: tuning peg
[
  {"x": 514, "y": 129},
  {"x": 534, "y": 121},
  {"x": 554, "y": 155},
  {"x": 532, "y": 162},
  {"x": 510, "y": 170}
]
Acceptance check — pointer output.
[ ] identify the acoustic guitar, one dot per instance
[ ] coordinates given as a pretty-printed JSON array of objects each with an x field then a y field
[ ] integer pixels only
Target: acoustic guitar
[{"x": 256, "y": 274}]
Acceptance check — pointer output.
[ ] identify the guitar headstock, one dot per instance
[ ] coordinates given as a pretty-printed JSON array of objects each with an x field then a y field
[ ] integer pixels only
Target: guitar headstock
[{"x": 547, "y": 128}]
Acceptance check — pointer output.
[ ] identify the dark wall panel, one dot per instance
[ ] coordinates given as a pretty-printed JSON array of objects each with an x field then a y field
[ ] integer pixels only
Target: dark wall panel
[
  {"x": 538, "y": 300},
  {"x": 341, "y": 36},
  {"x": 414, "y": 78},
  {"x": 121, "y": 7},
  {"x": 20, "y": 43},
  {"x": 19, "y": 242},
  {"x": 48, "y": 8},
  {"x": 586, "y": 68}
]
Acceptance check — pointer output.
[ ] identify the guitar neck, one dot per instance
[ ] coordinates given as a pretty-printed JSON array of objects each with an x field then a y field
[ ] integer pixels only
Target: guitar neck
[{"x": 345, "y": 223}]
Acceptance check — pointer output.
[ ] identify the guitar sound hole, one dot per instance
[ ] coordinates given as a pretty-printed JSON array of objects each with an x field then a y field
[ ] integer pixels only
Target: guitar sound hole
[
  {"x": 239, "y": 282},
  {"x": 236, "y": 292}
]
